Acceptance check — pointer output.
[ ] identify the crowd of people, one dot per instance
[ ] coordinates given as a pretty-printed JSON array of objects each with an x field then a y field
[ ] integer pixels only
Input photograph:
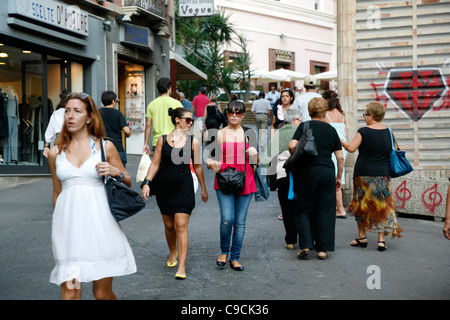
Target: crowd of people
[{"x": 90, "y": 246}]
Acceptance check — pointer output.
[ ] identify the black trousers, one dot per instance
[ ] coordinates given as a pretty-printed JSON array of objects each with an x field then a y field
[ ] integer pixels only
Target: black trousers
[
  {"x": 289, "y": 209},
  {"x": 316, "y": 211}
]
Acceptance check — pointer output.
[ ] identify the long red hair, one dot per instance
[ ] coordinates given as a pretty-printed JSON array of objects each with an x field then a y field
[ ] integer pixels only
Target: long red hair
[{"x": 95, "y": 127}]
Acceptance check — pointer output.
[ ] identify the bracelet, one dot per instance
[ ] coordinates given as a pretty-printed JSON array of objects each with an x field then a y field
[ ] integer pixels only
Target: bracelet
[
  {"x": 145, "y": 182},
  {"x": 121, "y": 177}
]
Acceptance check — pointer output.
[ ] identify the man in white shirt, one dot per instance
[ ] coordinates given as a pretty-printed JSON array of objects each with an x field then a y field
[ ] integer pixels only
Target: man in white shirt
[
  {"x": 273, "y": 96},
  {"x": 302, "y": 101}
]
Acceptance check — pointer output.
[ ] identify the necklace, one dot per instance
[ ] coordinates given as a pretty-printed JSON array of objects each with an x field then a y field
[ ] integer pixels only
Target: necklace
[{"x": 178, "y": 139}]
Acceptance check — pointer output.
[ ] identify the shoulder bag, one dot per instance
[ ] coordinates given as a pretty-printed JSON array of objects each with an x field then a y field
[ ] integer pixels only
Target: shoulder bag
[
  {"x": 399, "y": 165},
  {"x": 306, "y": 148},
  {"x": 123, "y": 201},
  {"x": 232, "y": 180}
]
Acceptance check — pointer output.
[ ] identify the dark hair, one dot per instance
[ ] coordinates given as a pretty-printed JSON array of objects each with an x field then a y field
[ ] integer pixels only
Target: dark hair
[
  {"x": 108, "y": 97},
  {"x": 261, "y": 94},
  {"x": 177, "y": 113},
  {"x": 291, "y": 94},
  {"x": 235, "y": 105},
  {"x": 202, "y": 90},
  {"x": 62, "y": 96},
  {"x": 163, "y": 85},
  {"x": 333, "y": 100}
]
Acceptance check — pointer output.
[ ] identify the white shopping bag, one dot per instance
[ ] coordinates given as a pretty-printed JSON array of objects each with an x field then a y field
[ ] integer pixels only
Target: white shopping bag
[{"x": 144, "y": 164}]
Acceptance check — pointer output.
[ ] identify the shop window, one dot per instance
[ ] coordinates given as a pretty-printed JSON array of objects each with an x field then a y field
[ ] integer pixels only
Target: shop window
[
  {"x": 132, "y": 103},
  {"x": 30, "y": 84},
  {"x": 21, "y": 107}
]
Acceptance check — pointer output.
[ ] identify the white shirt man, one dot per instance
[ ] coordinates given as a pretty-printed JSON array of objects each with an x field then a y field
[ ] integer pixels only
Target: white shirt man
[{"x": 302, "y": 101}]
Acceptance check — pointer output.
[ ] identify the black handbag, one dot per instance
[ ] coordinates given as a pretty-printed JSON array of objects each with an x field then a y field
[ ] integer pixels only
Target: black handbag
[
  {"x": 306, "y": 148},
  {"x": 123, "y": 201},
  {"x": 232, "y": 180}
]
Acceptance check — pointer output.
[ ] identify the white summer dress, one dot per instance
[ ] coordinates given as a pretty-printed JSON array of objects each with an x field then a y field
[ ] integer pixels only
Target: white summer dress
[{"x": 88, "y": 244}]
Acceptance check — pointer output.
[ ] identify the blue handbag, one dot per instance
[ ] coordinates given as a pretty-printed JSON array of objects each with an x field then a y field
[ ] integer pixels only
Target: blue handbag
[
  {"x": 262, "y": 189},
  {"x": 291, "y": 195},
  {"x": 399, "y": 165}
]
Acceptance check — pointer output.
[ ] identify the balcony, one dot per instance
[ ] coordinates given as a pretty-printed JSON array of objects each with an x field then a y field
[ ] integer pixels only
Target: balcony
[{"x": 154, "y": 9}]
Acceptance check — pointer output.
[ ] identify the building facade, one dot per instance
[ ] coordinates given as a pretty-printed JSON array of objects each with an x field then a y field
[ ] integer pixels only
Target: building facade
[
  {"x": 398, "y": 53},
  {"x": 82, "y": 46},
  {"x": 289, "y": 34}
]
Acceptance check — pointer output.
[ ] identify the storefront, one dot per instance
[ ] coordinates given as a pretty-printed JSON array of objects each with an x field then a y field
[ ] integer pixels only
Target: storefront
[
  {"x": 134, "y": 53},
  {"x": 45, "y": 46}
]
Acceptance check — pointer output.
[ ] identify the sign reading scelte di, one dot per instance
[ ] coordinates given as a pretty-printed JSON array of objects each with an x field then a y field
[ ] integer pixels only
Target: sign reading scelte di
[
  {"x": 195, "y": 8},
  {"x": 51, "y": 12}
]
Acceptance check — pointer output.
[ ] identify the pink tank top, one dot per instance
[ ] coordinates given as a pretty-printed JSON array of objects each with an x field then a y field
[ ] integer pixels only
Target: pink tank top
[{"x": 233, "y": 157}]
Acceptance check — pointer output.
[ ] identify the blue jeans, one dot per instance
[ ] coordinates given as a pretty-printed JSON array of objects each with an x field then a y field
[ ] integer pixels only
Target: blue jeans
[{"x": 233, "y": 214}]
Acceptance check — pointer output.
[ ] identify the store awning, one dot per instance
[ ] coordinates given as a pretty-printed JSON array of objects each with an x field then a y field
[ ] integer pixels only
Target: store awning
[{"x": 185, "y": 70}]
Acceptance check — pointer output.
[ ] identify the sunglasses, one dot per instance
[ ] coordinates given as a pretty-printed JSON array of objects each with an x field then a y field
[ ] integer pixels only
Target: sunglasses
[
  {"x": 235, "y": 113},
  {"x": 81, "y": 95},
  {"x": 188, "y": 120},
  {"x": 366, "y": 114}
]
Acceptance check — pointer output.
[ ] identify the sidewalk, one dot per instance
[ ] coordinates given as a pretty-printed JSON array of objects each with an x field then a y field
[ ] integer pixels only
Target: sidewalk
[{"x": 415, "y": 267}]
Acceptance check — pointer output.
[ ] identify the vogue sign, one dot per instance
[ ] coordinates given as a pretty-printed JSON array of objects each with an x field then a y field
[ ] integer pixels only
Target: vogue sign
[
  {"x": 54, "y": 13},
  {"x": 195, "y": 8}
]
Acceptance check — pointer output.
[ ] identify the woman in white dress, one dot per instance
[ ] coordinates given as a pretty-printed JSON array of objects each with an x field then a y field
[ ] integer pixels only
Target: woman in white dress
[
  {"x": 335, "y": 117},
  {"x": 88, "y": 244}
]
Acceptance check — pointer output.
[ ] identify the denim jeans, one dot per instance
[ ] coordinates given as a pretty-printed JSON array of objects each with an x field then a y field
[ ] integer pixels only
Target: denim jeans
[{"x": 233, "y": 214}]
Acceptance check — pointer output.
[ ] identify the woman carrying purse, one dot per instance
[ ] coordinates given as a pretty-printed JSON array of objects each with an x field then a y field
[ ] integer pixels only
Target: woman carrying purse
[{"x": 233, "y": 206}]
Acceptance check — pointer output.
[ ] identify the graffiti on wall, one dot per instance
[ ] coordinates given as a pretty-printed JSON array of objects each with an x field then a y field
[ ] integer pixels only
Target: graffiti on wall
[
  {"x": 414, "y": 91},
  {"x": 431, "y": 198}
]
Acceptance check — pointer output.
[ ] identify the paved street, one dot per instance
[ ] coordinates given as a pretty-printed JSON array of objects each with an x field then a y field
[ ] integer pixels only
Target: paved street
[{"x": 414, "y": 267}]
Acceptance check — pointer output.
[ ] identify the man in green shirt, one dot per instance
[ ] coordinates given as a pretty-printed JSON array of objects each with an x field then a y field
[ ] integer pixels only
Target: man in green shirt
[{"x": 157, "y": 116}]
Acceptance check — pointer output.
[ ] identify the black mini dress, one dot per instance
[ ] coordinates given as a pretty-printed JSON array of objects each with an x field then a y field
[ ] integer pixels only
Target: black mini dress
[{"x": 175, "y": 184}]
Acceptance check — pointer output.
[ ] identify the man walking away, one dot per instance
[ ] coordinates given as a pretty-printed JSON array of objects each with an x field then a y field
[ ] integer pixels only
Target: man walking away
[{"x": 114, "y": 123}]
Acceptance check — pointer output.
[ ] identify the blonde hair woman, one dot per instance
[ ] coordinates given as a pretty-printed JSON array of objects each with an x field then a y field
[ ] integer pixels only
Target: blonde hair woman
[
  {"x": 316, "y": 184},
  {"x": 373, "y": 203}
]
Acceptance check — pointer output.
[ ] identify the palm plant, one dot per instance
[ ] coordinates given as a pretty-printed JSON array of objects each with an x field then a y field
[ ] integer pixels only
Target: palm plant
[{"x": 202, "y": 40}]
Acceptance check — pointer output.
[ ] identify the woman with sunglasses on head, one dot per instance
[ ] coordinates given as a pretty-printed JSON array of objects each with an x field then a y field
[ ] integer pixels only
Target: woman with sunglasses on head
[
  {"x": 373, "y": 202},
  {"x": 175, "y": 194},
  {"x": 88, "y": 244},
  {"x": 233, "y": 147}
]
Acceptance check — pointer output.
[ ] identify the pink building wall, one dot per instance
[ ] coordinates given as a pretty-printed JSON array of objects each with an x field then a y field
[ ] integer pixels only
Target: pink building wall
[{"x": 289, "y": 25}]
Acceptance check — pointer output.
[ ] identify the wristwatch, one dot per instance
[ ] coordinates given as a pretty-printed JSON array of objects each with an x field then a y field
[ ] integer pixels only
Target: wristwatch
[{"x": 145, "y": 182}]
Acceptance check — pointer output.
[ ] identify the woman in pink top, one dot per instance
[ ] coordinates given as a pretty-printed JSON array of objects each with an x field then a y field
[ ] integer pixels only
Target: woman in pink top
[{"x": 233, "y": 207}]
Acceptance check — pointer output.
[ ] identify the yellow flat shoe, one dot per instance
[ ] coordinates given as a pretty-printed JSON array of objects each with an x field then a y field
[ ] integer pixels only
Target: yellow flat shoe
[
  {"x": 172, "y": 264},
  {"x": 180, "y": 276}
]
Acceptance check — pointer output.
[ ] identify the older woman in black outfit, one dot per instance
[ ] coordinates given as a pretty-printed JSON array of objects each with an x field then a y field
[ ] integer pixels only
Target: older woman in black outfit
[
  {"x": 316, "y": 183},
  {"x": 373, "y": 202}
]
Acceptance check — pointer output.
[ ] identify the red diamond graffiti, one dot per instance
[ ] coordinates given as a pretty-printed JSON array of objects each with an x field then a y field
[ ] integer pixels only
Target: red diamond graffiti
[{"x": 415, "y": 91}]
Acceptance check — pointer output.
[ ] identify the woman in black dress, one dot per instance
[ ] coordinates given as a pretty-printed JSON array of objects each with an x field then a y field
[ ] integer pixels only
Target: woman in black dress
[
  {"x": 175, "y": 189},
  {"x": 212, "y": 121},
  {"x": 316, "y": 183}
]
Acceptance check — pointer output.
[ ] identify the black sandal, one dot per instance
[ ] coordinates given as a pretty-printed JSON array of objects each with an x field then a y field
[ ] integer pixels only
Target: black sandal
[
  {"x": 383, "y": 247},
  {"x": 359, "y": 243}
]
